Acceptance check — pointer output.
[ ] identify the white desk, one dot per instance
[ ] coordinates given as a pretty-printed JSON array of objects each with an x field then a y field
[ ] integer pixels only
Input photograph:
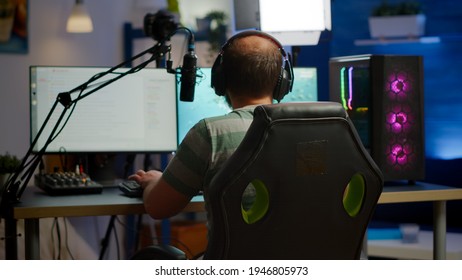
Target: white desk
[
  {"x": 421, "y": 192},
  {"x": 422, "y": 250},
  {"x": 35, "y": 204}
]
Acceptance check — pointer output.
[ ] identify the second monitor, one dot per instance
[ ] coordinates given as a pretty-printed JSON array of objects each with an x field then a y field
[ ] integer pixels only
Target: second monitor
[
  {"x": 135, "y": 114},
  {"x": 207, "y": 104}
]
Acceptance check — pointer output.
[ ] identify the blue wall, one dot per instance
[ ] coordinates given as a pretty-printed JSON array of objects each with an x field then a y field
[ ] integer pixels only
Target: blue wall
[
  {"x": 442, "y": 88},
  {"x": 442, "y": 78}
]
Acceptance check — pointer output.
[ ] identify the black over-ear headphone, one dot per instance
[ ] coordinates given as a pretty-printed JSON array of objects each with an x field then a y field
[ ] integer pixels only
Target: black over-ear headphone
[{"x": 285, "y": 79}]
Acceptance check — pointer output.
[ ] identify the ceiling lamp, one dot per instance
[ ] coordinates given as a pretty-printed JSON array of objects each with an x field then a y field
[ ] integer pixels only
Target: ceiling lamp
[{"x": 79, "y": 21}]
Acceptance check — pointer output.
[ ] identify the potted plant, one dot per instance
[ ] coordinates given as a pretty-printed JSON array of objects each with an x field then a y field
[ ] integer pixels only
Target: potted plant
[
  {"x": 218, "y": 26},
  {"x": 8, "y": 165},
  {"x": 400, "y": 20}
]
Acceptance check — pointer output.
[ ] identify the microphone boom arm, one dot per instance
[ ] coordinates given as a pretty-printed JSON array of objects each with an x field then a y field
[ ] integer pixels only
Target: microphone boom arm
[{"x": 14, "y": 187}]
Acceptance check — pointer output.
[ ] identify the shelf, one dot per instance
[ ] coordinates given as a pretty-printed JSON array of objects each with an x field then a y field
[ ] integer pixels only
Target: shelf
[{"x": 421, "y": 40}]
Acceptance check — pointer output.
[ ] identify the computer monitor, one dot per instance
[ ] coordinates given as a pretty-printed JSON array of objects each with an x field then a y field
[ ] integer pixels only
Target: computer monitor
[
  {"x": 207, "y": 104},
  {"x": 305, "y": 86},
  {"x": 136, "y": 113}
]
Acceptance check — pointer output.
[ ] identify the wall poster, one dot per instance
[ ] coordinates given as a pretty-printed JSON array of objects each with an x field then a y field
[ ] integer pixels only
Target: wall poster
[{"x": 13, "y": 26}]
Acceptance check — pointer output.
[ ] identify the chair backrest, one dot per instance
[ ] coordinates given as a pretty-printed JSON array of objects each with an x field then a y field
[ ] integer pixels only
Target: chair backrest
[{"x": 315, "y": 187}]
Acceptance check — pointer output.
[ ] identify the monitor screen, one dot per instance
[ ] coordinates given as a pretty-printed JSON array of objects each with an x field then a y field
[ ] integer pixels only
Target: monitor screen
[
  {"x": 305, "y": 86},
  {"x": 136, "y": 113},
  {"x": 207, "y": 104}
]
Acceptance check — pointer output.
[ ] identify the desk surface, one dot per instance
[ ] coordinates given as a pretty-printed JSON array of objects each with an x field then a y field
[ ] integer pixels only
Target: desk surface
[
  {"x": 37, "y": 204},
  {"x": 418, "y": 193}
]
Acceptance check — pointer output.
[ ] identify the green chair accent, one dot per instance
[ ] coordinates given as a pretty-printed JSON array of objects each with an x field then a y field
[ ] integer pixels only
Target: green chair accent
[
  {"x": 353, "y": 197},
  {"x": 260, "y": 203}
]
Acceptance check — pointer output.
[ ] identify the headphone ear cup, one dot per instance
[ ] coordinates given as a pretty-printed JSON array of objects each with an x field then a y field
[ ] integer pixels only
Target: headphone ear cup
[
  {"x": 285, "y": 81},
  {"x": 281, "y": 88},
  {"x": 218, "y": 78}
]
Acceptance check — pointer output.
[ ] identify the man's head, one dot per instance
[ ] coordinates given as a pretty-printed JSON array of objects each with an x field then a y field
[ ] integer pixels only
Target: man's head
[{"x": 251, "y": 65}]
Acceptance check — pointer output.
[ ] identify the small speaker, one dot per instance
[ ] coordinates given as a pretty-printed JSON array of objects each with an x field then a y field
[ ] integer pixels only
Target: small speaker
[{"x": 383, "y": 95}]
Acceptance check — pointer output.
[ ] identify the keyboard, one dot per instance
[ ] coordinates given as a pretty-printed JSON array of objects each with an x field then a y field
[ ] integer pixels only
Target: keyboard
[
  {"x": 67, "y": 183},
  {"x": 131, "y": 188}
]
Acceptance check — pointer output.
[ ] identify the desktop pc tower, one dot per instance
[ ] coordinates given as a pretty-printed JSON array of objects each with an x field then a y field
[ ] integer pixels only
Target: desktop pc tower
[{"x": 383, "y": 95}]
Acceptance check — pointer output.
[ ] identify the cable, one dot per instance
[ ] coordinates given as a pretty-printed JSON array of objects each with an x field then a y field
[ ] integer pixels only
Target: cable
[
  {"x": 67, "y": 239},
  {"x": 55, "y": 226},
  {"x": 53, "y": 239},
  {"x": 56, "y": 254},
  {"x": 132, "y": 230},
  {"x": 63, "y": 158},
  {"x": 116, "y": 237}
]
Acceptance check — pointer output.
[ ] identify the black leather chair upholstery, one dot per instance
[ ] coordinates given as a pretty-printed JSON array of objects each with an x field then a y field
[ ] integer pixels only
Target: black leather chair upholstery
[
  {"x": 159, "y": 252},
  {"x": 314, "y": 187},
  {"x": 300, "y": 157}
]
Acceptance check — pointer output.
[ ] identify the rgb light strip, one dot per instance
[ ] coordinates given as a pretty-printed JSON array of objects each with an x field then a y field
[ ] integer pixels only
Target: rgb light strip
[{"x": 346, "y": 101}]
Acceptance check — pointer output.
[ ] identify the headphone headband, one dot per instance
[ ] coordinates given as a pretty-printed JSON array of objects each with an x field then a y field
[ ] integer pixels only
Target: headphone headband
[
  {"x": 254, "y": 33},
  {"x": 285, "y": 78}
]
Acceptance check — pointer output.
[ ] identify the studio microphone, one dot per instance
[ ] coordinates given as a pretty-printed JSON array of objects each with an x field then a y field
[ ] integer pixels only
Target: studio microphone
[{"x": 188, "y": 73}]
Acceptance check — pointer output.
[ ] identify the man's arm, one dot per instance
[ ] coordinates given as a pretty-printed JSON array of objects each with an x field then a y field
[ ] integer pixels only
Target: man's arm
[{"x": 160, "y": 199}]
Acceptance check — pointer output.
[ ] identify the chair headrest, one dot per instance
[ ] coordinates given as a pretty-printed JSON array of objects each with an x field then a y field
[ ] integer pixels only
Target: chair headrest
[{"x": 300, "y": 110}]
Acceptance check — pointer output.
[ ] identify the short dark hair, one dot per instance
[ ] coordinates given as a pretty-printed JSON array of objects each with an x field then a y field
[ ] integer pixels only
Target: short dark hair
[{"x": 251, "y": 71}]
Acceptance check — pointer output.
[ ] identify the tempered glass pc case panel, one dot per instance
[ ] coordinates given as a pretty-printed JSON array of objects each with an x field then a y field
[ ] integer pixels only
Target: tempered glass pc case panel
[{"x": 383, "y": 95}]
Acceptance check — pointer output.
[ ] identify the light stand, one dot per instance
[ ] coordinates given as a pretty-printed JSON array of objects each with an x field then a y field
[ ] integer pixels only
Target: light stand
[{"x": 13, "y": 189}]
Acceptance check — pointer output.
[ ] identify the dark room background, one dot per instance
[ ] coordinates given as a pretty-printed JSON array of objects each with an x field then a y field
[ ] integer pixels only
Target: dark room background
[{"x": 442, "y": 87}]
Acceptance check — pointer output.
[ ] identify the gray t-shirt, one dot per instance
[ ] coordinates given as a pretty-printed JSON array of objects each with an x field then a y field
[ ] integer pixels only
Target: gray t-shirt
[{"x": 204, "y": 150}]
